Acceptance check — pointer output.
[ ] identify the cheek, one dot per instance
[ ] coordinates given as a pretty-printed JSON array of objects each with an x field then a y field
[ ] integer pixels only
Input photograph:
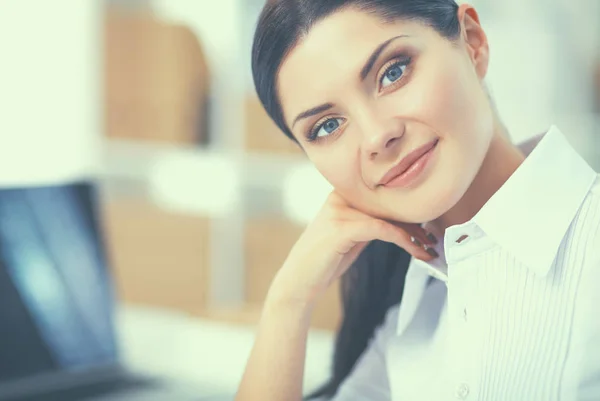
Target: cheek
[
  {"x": 340, "y": 170},
  {"x": 447, "y": 101},
  {"x": 451, "y": 103}
]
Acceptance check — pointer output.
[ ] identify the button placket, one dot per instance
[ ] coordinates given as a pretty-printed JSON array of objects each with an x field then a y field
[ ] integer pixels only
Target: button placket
[
  {"x": 458, "y": 299},
  {"x": 465, "y": 327},
  {"x": 464, "y": 313},
  {"x": 465, "y": 354}
]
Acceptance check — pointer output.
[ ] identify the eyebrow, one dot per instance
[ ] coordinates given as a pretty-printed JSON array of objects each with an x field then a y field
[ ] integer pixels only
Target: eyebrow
[
  {"x": 375, "y": 55},
  {"x": 363, "y": 74},
  {"x": 311, "y": 112}
]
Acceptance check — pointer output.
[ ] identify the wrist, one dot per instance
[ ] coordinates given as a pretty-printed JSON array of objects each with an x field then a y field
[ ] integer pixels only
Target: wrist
[
  {"x": 282, "y": 297},
  {"x": 292, "y": 314}
]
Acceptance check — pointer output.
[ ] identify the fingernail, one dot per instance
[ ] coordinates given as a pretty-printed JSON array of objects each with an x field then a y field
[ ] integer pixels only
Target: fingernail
[
  {"x": 431, "y": 251},
  {"x": 415, "y": 241},
  {"x": 431, "y": 238}
]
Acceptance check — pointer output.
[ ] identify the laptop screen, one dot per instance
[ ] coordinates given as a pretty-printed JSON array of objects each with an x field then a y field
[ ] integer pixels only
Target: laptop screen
[{"x": 56, "y": 301}]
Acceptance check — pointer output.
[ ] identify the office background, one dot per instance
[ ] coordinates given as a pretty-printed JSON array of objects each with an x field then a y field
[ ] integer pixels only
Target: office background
[{"x": 201, "y": 196}]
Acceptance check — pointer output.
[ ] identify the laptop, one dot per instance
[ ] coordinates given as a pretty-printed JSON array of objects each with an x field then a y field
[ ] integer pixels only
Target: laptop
[{"x": 57, "y": 304}]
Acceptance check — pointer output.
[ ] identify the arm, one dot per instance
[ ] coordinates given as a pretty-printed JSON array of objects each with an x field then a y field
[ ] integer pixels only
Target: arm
[
  {"x": 275, "y": 368},
  {"x": 280, "y": 350},
  {"x": 324, "y": 251}
]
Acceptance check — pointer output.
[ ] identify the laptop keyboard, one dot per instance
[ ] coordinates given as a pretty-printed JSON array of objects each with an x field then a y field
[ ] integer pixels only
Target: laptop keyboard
[{"x": 91, "y": 391}]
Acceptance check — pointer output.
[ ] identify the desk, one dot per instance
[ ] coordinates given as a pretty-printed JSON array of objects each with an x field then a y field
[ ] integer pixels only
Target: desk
[{"x": 206, "y": 354}]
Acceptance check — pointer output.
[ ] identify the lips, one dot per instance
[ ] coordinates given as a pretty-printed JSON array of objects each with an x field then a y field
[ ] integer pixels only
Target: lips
[{"x": 406, "y": 162}]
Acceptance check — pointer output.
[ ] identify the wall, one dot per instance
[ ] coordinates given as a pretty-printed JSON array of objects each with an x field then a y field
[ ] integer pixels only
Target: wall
[{"x": 50, "y": 97}]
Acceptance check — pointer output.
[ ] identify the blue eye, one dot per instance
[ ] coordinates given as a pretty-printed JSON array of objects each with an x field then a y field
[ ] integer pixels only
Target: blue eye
[
  {"x": 325, "y": 129},
  {"x": 393, "y": 73},
  {"x": 331, "y": 125}
]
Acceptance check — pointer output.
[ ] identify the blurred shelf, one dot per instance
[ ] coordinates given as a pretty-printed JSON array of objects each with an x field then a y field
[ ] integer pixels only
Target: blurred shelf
[{"x": 130, "y": 160}]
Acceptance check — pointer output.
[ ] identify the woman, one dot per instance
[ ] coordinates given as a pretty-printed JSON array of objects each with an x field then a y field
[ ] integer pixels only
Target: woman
[{"x": 387, "y": 99}]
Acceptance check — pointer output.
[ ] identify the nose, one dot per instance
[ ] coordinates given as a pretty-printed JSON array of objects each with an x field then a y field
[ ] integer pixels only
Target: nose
[{"x": 381, "y": 138}]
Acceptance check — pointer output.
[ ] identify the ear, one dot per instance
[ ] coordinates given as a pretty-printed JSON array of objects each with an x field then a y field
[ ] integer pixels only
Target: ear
[{"x": 474, "y": 39}]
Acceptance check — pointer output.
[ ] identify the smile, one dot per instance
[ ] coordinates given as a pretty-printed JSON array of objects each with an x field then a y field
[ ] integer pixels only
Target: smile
[{"x": 410, "y": 168}]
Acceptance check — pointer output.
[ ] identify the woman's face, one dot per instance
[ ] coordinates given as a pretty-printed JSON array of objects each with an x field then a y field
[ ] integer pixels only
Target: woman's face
[{"x": 360, "y": 95}]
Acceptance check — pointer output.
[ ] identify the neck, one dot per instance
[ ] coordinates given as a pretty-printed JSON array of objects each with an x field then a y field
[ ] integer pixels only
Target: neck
[{"x": 500, "y": 162}]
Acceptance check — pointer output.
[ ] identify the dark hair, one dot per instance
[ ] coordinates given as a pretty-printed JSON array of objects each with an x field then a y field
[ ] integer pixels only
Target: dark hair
[{"x": 375, "y": 282}]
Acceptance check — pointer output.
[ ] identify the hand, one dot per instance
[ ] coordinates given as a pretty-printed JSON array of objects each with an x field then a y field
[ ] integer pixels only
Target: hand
[{"x": 332, "y": 242}]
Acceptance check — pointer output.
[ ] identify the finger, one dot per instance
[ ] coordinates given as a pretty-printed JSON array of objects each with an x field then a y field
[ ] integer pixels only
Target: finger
[
  {"x": 368, "y": 230},
  {"x": 348, "y": 213},
  {"x": 417, "y": 231},
  {"x": 427, "y": 248}
]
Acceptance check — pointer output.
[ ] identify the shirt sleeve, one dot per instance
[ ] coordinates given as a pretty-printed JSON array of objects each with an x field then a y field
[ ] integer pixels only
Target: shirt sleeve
[{"x": 369, "y": 379}]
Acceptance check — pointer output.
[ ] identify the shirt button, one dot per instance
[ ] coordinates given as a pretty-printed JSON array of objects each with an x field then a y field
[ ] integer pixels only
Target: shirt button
[{"x": 462, "y": 391}]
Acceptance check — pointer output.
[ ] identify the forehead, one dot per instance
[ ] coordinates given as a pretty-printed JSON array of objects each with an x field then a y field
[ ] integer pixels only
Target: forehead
[{"x": 333, "y": 52}]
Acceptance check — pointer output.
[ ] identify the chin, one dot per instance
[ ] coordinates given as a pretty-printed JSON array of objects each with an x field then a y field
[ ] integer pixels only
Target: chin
[
  {"x": 445, "y": 199},
  {"x": 422, "y": 214},
  {"x": 432, "y": 211},
  {"x": 428, "y": 206}
]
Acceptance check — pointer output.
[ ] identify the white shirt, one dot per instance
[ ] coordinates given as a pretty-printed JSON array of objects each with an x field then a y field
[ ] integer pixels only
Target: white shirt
[{"x": 513, "y": 311}]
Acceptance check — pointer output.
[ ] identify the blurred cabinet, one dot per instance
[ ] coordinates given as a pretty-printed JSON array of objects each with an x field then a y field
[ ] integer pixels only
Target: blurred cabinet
[
  {"x": 156, "y": 79},
  {"x": 268, "y": 242},
  {"x": 159, "y": 258},
  {"x": 162, "y": 259}
]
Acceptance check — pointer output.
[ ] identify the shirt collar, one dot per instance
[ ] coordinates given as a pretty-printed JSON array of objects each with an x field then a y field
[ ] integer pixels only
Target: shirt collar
[{"x": 530, "y": 214}]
